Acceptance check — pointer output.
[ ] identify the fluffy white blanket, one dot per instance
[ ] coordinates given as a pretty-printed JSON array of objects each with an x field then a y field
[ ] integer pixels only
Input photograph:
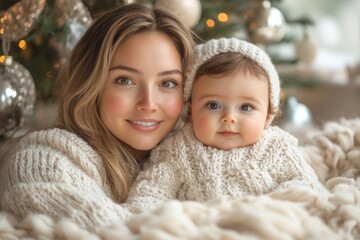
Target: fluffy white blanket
[{"x": 296, "y": 213}]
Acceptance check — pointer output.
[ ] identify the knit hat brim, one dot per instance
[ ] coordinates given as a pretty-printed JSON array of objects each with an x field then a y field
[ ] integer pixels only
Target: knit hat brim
[{"x": 204, "y": 52}]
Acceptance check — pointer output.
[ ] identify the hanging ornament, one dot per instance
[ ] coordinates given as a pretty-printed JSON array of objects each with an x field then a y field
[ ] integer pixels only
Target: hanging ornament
[
  {"x": 306, "y": 48},
  {"x": 297, "y": 116},
  {"x": 76, "y": 16},
  {"x": 10, "y": 113},
  {"x": 19, "y": 19},
  {"x": 265, "y": 24},
  {"x": 74, "y": 10},
  {"x": 189, "y": 11},
  {"x": 17, "y": 93},
  {"x": 76, "y": 31},
  {"x": 24, "y": 85}
]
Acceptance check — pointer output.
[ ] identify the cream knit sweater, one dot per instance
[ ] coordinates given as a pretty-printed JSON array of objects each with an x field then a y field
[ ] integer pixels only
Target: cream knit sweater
[
  {"x": 183, "y": 168},
  {"x": 56, "y": 173}
]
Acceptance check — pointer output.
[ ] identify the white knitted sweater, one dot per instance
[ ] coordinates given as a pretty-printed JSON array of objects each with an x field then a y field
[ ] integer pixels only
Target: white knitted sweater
[
  {"x": 56, "y": 173},
  {"x": 183, "y": 168}
]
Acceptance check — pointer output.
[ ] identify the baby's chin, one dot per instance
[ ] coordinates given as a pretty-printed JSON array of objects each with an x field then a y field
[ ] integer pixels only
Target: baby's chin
[{"x": 227, "y": 147}]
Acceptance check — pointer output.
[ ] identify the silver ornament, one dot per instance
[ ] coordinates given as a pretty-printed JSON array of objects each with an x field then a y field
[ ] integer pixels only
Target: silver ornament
[
  {"x": 17, "y": 96},
  {"x": 76, "y": 16},
  {"x": 24, "y": 85},
  {"x": 76, "y": 31},
  {"x": 296, "y": 114},
  {"x": 265, "y": 24},
  {"x": 10, "y": 113},
  {"x": 66, "y": 10}
]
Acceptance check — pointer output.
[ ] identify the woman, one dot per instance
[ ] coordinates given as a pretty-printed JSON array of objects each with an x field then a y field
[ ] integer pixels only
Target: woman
[{"x": 123, "y": 95}]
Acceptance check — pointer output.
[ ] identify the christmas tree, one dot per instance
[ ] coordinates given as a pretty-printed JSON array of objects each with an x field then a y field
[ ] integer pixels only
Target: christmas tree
[{"x": 52, "y": 29}]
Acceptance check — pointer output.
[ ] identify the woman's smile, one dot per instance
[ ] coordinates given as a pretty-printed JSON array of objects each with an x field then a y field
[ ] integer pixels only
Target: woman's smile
[{"x": 145, "y": 125}]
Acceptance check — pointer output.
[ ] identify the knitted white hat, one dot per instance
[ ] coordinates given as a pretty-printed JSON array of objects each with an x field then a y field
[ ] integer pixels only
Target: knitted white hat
[{"x": 204, "y": 52}]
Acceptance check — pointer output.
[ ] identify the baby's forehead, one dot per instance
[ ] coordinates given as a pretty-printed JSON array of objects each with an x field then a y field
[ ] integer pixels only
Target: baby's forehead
[{"x": 239, "y": 71}]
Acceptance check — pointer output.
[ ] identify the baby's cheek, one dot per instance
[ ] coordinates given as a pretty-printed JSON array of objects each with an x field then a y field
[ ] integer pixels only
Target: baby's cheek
[{"x": 253, "y": 129}]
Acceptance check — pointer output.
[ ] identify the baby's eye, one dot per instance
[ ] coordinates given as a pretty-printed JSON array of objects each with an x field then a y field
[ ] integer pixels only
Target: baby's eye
[
  {"x": 123, "y": 80},
  {"x": 213, "y": 105},
  {"x": 246, "y": 108},
  {"x": 169, "y": 84}
]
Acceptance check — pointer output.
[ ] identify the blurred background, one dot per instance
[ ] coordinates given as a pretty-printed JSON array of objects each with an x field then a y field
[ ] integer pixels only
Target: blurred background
[{"x": 314, "y": 44}]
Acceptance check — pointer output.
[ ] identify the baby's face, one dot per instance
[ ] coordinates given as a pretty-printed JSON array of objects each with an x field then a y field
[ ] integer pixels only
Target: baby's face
[{"x": 230, "y": 110}]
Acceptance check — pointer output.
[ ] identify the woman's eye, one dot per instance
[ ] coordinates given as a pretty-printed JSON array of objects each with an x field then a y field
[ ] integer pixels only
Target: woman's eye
[
  {"x": 169, "y": 84},
  {"x": 246, "y": 108},
  {"x": 124, "y": 81},
  {"x": 213, "y": 105}
]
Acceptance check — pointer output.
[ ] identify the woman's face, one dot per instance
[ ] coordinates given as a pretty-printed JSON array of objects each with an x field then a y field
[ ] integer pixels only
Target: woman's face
[{"x": 142, "y": 98}]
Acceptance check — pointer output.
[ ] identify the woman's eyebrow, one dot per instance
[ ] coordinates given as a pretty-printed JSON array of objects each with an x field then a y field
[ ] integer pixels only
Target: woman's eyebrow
[
  {"x": 130, "y": 69},
  {"x": 175, "y": 71},
  {"x": 169, "y": 72}
]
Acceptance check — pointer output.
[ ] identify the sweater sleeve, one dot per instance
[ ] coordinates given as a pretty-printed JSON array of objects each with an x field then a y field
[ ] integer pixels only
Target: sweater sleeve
[
  {"x": 289, "y": 168},
  {"x": 62, "y": 177},
  {"x": 160, "y": 180}
]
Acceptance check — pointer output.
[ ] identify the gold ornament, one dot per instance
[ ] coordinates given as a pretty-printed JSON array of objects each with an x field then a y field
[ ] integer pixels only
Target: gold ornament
[
  {"x": 17, "y": 21},
  {"x": 265, "y": 24},
  {"x": 189, "y": 11}
]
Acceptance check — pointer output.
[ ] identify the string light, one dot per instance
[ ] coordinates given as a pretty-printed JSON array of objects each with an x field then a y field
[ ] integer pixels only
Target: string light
[
  {"x": 2, "y": 21},
  {"x": 223, "y": 17},
  {"x": 2, "y": 58},
  {"x": 22, "y": 44},
  {"x": 56, "y": 65},
  {"x": 210, "y": 23}
]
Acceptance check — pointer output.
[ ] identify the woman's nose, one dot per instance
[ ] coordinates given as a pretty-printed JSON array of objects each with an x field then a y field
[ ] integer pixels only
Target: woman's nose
[
  {"x": 147, "y": 100},
  {"x": 229, "y": 117}
]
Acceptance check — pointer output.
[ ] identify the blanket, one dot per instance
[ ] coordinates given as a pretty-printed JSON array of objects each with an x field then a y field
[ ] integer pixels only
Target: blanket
[{"x": 294, "y": 213}]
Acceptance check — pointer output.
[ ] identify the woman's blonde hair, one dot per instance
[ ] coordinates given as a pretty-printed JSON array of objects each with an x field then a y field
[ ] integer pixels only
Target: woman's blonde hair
[{"x": 87, "y": 70}]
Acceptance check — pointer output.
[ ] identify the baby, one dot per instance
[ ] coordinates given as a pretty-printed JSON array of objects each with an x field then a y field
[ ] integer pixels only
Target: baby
[{"x": 228, "y": 147}]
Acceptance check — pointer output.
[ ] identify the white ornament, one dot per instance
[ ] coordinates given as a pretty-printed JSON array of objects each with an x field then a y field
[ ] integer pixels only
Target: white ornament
[
  {"x": 306, "y": 49},
  {"x": 189, "y": 11}
]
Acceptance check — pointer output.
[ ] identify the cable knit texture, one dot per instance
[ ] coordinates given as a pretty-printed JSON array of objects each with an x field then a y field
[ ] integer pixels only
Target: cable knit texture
[
  {"x": 204, "y": 52},
  {"x": 296, "y": 212},
  {"x": 56, "y": 173},
  {"x": 185, "y": 169}
]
